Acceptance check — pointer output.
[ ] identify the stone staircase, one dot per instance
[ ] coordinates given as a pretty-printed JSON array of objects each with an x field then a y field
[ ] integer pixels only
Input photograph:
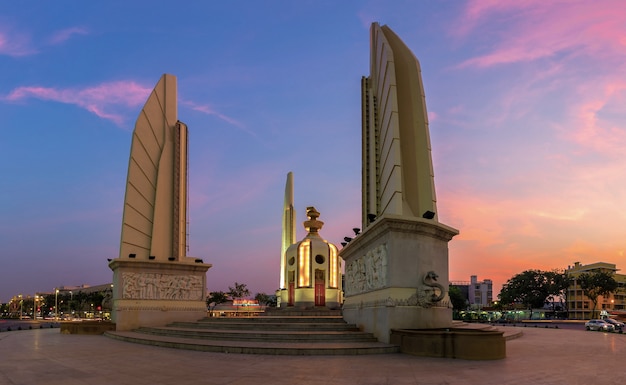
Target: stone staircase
[{"x": 273, "y": 334}]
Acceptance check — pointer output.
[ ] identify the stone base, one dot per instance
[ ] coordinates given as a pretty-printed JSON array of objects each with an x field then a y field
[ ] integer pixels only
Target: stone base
[
  {"x": 131, "y": 314},
  {"x": 451, "y": 343},
  {"x": 379, "y": 318},
  {"x": 397, "y": 276},
  {"x": 87, "y": 327},
  {"x": 151, "y": 293}
]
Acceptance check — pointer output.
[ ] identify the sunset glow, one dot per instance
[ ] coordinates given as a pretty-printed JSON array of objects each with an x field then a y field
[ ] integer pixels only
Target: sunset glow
[{"x": 526, "y": 102}]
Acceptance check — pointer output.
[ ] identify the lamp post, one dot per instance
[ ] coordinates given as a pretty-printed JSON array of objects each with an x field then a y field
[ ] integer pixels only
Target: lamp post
[
  {"x": 56, "y": 304},
  {"x": 69, "y": 306},
  {"x": 21, "y": 305}
]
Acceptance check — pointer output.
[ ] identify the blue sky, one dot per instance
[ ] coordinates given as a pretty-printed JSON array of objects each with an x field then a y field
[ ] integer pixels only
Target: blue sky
[{"x": 525, "y": 99}]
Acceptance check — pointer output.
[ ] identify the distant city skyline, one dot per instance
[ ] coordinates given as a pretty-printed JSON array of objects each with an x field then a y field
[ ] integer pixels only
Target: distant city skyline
[{"x": 525, "y": 102}]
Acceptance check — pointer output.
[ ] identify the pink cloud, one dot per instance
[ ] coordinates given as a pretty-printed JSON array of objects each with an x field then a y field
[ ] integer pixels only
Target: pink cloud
[
  {"x": 209, "y": 110},
  {"x": 574, "y": 40},
  {"x": 15, "y": 44},
  {"x": 102, "y": 100},
  {"x": 64, "y": 35},
  {"x": 597, "y": 118},
  {"x": 538, "y": 29}
]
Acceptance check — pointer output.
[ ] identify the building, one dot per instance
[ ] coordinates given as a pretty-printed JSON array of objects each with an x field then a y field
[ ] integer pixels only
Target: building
[
  {"x": 82, "y": 301},
  {"x": 478, "y": 293},
  {"x": 580, "y": 306},
  {"x": 237, "y": 307}
]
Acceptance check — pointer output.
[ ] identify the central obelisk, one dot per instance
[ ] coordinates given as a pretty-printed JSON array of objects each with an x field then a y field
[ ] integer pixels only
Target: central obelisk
[
  {"x": 289, "y": 226},
  {"x": 288, "y": 237},
  {"x": 154, "y": 281}
]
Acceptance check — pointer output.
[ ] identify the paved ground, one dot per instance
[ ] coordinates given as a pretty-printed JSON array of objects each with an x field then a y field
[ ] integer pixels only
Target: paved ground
[{"x": 540, "y": 356}]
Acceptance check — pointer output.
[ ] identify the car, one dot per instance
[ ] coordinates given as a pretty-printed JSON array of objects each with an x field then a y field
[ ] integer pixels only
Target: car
[
  {"x": 618, "y": 325},
  {"x": 599, "y": 325}
]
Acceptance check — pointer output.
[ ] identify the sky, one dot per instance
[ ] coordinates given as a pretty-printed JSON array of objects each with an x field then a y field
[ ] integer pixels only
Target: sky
[{"x": 526, "y": 102}]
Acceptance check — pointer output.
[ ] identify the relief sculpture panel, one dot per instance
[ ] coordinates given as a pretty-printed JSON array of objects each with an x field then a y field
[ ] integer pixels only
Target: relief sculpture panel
[
  {"x": 161, "y": 286},
  {"x": 368, "y": 272}
]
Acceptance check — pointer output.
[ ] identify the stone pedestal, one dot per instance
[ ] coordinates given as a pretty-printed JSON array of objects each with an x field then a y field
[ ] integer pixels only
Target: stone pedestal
[
  {"x": 396, "y": 276},
  {"x": 151, "y": 293}
]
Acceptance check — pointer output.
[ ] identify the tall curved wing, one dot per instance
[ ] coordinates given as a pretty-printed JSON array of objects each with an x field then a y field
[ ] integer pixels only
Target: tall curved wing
[
  {"x": 398, "y": 174},
  {"x": 148, "y": 216}
]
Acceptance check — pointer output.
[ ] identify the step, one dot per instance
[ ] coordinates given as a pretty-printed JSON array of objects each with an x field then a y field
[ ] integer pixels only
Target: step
[
  {"x": 284, "y": 326},
  {"x": 276, "y": 319},
  {"x": 287, "y": 312},
  {"x": 253, "y": 347},
  {"x": 510, "y": 333},
  {"x": 256, "y": 335}
]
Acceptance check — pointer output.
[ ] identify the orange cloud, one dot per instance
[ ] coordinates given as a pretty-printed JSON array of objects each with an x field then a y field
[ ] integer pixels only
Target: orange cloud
[{"x": 562, "y": 219}]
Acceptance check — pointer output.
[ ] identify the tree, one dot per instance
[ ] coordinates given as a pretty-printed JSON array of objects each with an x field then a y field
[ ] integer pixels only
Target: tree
[
  {"x": 48, "y": 303},
  {"x": 456, "y": 297},
  {"x": 531, "y": 288},
  {"x": 81, "y": 301},
  {"x": 596, "y": 284},
  {"x": 557, "y": 282},
  {"x": 239, "y": 291},
  {"x": 215, "y": 298},
  {"x": 265, "y": 299}
]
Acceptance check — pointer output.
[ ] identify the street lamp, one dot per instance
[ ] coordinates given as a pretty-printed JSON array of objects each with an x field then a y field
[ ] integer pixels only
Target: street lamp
[
  {"x": 69, "y": 306},
  {"x": 56, "y": 304},
  {"x": 21, "y": 305}
]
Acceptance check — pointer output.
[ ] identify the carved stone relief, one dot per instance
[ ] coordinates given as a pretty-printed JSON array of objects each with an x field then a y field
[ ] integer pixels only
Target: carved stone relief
[
  {"x": 368, "y": 272},
  {"x": 161, "y": 286},
  {"x": 427, "y": 295},
  {"x": 416, "y": 300}
]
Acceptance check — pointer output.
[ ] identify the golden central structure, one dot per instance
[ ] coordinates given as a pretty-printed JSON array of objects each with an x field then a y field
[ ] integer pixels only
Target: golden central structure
[
  {"x": 396, "y": 273},
  {"x": 154, "y": 282},
  {"x": 310, "y": 270}
]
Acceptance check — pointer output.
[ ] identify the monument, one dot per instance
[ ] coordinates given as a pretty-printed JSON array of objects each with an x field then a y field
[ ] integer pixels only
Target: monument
[
  {"x": 154, "y": 282},
  {"x": 396, "y": 274},
  {"x": 310, "y": 270}
]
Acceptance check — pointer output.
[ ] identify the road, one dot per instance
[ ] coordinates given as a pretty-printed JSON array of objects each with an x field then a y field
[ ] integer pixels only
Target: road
[{"x": 15, "y": 324}]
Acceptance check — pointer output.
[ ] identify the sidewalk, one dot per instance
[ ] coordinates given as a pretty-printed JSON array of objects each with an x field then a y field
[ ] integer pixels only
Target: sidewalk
[{"x": 540, "y": 356}]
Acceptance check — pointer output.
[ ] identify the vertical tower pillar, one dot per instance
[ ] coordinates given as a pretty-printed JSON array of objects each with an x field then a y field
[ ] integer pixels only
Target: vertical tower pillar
[{"x": 397, "y": 268}]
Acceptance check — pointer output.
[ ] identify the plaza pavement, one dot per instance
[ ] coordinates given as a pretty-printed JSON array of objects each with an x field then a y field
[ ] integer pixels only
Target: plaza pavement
[{"x": 540, "y": 356}]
